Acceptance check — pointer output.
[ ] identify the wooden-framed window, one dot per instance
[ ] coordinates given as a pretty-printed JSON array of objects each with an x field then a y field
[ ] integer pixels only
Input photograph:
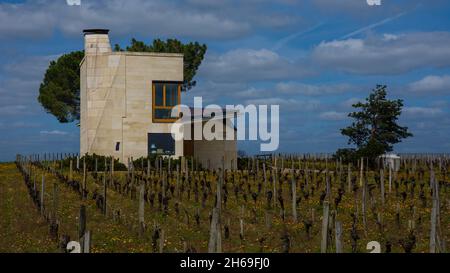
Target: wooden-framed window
[{"x": 166, "y": 95}]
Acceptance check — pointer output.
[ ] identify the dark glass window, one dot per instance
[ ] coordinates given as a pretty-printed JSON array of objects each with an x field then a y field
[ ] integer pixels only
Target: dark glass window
[
  {"x": 163, "y": 113},
  {"x": 166, "y": 95},
  {"x": 171, "y": 94},
  {"x": 159, "y": 94},
  {"x": 161, "y": 143}
]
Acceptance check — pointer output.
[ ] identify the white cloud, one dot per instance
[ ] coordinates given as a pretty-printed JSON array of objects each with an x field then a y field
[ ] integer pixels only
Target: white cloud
[
  {"x": 19, "y": 86},
  {"x": 313, "y": 90},
  {"x": 54, "y": 133},
  {"x": 287, "y": 104},
  {"x": 167, "y": 18},
  {"x": 378, "y": 55},
  {"x": 12, "y": 109},
  {"x": 431, "y": 84},
  {"x": 422, "y": 111},
  {"x": 349, "y": 102},
  {"x": 333, "y": 115},
  {"x": 250, "y": 65}
]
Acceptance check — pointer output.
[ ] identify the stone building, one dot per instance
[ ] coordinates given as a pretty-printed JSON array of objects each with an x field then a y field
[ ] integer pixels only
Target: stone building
[{"x": 126, "y": 99}]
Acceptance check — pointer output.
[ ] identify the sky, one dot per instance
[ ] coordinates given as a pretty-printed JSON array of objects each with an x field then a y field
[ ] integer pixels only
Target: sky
[{"x": 314, "y": 58}]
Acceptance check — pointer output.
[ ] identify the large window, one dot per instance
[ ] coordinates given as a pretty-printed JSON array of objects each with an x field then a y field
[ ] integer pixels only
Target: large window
[{"x": 166, "y": 95}]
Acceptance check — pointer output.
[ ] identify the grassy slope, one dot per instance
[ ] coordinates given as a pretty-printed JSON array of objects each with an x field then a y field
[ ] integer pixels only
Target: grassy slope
[{"x": 21, "y": 227}]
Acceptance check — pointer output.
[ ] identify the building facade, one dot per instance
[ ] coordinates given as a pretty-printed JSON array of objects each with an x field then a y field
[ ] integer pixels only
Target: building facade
[{"x": 126, "y": 99}]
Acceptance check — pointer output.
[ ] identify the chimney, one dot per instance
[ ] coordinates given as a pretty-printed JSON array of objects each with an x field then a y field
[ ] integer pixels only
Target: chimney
[{"x": 96, "y": 41}]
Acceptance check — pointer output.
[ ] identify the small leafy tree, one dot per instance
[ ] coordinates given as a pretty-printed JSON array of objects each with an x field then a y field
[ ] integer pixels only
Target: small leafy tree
[
  {"x": 59, "y": 92},
  {"x": 375, "y": 129}
]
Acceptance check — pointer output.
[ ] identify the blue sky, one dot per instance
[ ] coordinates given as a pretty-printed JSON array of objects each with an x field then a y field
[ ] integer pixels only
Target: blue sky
[{"x": 312, "y": 57}]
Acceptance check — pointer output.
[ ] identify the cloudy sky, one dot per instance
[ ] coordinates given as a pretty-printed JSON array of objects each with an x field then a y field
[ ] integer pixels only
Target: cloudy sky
[{"x": 312, "y": 57}]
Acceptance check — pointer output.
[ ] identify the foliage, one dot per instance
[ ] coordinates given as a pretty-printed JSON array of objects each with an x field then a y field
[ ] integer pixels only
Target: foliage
[
  {"x": 59, "y": 92},
  {"x": 375, "y": 129},
  {"x": 348, "y": 155},
  {"x": 193, "y": 55}
]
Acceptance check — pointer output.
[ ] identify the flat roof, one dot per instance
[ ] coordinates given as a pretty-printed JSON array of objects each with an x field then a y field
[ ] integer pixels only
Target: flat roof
[
  {"x": 155, "y": 54},
  {"x": 130, "y": 53}
]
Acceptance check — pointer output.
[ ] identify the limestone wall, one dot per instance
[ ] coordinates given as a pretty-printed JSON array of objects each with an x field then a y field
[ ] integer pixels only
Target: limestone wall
[{"x": 116, "y": 101}]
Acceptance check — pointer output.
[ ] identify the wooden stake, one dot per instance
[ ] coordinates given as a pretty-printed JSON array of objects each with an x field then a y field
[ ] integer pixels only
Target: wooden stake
[
  {"x": 361, "y": 172},
  {"x": 382, "y": 186},
  {"x": 161, "y": 242},
  {"x": 70, "y": 171},
  {"x": 212, "y": 245},
  {"x": 82, "y": 225},
  {"x": 104, "y": 193},
  {"x": 294, "y": 197},
  {"x": 349, "y": 178},
  {"x": 141, "y": 209},
  {"x": 325, "y": 220},
  {"x": 338, "y": 230}
]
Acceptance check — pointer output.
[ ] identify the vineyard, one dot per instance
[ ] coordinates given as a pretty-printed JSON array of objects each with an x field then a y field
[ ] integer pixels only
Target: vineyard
[{"x": 296, "y": 204}]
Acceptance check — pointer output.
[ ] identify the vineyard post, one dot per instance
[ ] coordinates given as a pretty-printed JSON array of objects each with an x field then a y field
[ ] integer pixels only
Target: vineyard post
[
  {"x": 382, "y": 186},
  {"x": 105, "y": 167},
  {"x": 349, "y": 178},
  {"x": 112, "y": 171},
  {"x": 306, "y": 176},
  {"x": 161, "y": 242},
  {"x": 164, "y": 185},
  {"x": 241, "y": 223},
  {"x": 361, "y": 172},
  {"x": 328, "y": 186},
  {"x": 34, "y": 184},
  {"x": 170, "y": 166},
  {"x": 435, "y": 232},
  {"x": 87, "y": 242},
  {"x": 363, "y": 205},
  {"x": 212, "y": 245},
  {"x": 338, "y": 230},
  {"x": 178, "y": 182},
  {"x": 141, "y": 209},
  {"x": 326, "y": 215},
  {"x": 132, "y": 171},
  {"x": 55, "y": 202},
  {"x": 42, "y": 194},
  {"x": 274, "y": 184},
  {"x": 104, "y": 193},
  {"x": 70, "y": 171},
  {"x": 219, "y": 207},
  {"x": 257, "y": 167},
  {"x": 268, "y": 218},
  {"x": 390, "y": 179},
  {"x": 148, "y": 168},
  {"x": 82, "y": 225},
  {"x": 84, "y": 177},
  {"x": 294, "y": 197},
  {"x": 265, "y": 177},
  {"x": 183, "y": 164}
]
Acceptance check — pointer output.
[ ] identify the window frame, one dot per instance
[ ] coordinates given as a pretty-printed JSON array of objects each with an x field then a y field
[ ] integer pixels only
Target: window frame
[{"x": 156, "y": 107}]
